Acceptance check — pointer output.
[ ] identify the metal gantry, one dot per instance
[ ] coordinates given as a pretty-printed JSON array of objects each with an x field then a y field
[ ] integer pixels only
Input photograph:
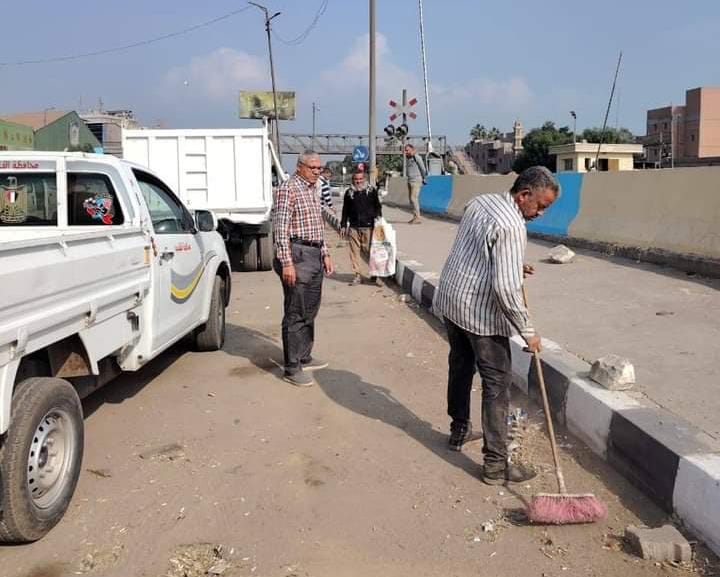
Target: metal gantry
[{"x": 343, "y": 144}]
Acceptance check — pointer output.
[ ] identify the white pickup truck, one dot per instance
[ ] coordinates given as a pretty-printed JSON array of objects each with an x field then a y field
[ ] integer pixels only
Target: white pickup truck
[{"x": 101, "y": 269}]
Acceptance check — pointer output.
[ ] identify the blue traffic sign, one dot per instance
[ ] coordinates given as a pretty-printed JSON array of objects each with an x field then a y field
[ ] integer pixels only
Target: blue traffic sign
[{"x": 360, "y": 154}]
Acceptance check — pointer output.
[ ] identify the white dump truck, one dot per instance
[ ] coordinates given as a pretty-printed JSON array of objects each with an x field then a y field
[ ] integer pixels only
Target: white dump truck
[
  {"x": 102, "y": 268},
  {"x": 228, "y": 171}
]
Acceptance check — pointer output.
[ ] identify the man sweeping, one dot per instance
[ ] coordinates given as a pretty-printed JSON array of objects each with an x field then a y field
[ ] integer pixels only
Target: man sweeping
[{"x": 480, "y": 297}]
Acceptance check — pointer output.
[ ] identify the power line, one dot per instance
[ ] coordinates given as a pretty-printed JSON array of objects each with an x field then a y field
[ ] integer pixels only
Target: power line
[
  {"x": 304, "y": 35},
  {"x": 127, "y": 46}
]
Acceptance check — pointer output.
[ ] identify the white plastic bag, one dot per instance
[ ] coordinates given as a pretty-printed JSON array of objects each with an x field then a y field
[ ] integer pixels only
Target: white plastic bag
[{"x": 382, "y": 249}]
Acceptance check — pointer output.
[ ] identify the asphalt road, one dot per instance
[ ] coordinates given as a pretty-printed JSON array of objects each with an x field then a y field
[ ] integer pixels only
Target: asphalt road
[{"x": 210, "y": 461}]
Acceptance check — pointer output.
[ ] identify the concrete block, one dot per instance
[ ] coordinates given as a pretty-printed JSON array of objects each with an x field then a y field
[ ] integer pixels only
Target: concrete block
[
  {"x": 613, "y": 372},
  {"x": 560, "y": 255},
  {"x": 696, "y": 496},
  {"x": 662, "y": 544}
]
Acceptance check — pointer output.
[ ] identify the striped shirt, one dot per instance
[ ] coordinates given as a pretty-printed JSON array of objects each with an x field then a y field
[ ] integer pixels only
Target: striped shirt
[
  {"x": 296, "y": 214},
  {"x": 480, "y": 287},
  {"x": 325, "y": 193}
]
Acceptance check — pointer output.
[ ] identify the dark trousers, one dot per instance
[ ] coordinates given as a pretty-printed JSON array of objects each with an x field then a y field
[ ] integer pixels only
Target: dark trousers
[
  {"x": 301, "y": 305},
  {"x": 491, "y": 356}
]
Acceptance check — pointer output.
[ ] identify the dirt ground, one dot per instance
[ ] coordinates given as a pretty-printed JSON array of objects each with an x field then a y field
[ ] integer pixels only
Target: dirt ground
[{"x": 210, "y": 464}]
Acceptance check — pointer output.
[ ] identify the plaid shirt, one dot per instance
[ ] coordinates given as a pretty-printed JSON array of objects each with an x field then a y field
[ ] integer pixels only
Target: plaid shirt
[{"x": 296, "y": 214}]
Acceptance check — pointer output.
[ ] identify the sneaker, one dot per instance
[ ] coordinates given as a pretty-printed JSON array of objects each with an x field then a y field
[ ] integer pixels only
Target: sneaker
[
  {"x": 512, "y": 473},
  {"x": 314, "y": 364},
  {"x": 299, "y": 379},
  {"x": 376, "y": 281},
  {"x": 461, "y": 434},
  {"x": 356, "y": 280}
]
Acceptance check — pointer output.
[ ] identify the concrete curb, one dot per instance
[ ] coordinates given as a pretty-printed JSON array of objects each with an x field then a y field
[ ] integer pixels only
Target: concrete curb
[{"x": 672, "y": 461}]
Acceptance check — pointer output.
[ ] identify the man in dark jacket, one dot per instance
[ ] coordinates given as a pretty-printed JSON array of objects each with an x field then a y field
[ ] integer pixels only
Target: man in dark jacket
[{"x": 361, "y": 206}]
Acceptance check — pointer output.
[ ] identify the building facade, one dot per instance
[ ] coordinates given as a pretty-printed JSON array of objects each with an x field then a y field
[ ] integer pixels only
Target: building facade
[
  {"x": 685, "y": 135},
  {"x": 580, "y": 156},
  {"x": 497, "y": 155}
]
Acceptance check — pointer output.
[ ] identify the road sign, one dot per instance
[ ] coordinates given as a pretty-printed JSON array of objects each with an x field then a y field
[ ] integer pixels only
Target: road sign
[
  {"x": 399, "y": 110},
  {"x": 360, "y": 154}
]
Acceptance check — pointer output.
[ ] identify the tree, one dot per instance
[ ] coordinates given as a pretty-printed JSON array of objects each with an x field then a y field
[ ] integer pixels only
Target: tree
[
  {"x": 611, "y": 135},
  {"x": 478, "y": 132},
  {"x": 536, "y": 144},
  {"x": 494, "y": 134}
]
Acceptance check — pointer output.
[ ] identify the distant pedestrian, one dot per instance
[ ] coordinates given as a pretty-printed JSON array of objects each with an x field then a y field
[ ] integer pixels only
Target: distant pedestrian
[
  {"x": 361, "y": 206},
  {"x": 301, "y": 257},
  {"x": 323, "y": 184},
  {"x": 416, "y": 177},
  {"x": 480, "y": 296}
]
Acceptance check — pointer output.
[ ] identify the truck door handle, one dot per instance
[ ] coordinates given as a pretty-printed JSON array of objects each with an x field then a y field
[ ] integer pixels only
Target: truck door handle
[{"x": 167, "y": 255}]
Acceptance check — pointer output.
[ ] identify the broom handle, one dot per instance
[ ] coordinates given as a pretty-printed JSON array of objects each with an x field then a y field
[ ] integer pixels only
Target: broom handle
[{"x": 548, "y": 417}]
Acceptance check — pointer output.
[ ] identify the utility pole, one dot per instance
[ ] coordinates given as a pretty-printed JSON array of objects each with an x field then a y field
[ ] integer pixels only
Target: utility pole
[
  {"x": 276, "y": 122},
  {"x": 672, "y": 137},
  {"x": 404, "y": 137},
  {"x": 371, "y": 108},
  {"x": 315, "y": 108},
  {"x": 425, "y": 78}
]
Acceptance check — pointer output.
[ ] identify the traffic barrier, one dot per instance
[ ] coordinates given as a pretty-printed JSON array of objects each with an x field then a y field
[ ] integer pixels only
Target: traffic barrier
[{"x": 668, "y": 217}]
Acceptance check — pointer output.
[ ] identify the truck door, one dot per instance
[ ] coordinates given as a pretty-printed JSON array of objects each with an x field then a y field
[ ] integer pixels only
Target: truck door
[{"x": 179, "y": 262}]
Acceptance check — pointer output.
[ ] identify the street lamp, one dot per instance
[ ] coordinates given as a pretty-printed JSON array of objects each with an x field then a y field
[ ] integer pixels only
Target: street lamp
[{"x": 574, "y": 116}]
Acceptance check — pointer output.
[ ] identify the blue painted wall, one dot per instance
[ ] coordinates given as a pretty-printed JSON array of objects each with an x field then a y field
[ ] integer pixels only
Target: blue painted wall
[
  {"x": 436, "y": 194},
  {"x": 563, "y": 211}
]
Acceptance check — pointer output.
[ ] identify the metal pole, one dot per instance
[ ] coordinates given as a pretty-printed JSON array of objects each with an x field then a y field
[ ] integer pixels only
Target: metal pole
[
  {"x": 672, "y": 137},
  {"x": 574, "y": 116},
  {"x": 276, "y": 123},
  {"x": 404, "y": 138},
  {"x": 425, "y": 77},
  {"x": 371, "y": 95},
  {"x": 314, "y": 109}
]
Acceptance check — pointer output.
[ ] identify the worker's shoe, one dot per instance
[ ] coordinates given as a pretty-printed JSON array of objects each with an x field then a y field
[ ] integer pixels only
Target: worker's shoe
[
  {"x": 357, "y": 279},
  {"x": 512, "y": 473},
  {"x": 299, "y": 379},
  {"x": 376, "y": 281},
  {"x": 414, "y": 220},
  {"x": 461, "y": 433},
  {"x": 314, "y": 364}
]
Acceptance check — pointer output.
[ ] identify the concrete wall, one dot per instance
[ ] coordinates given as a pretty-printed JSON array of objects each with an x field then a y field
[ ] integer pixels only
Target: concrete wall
[{"x": 656, "y": 211}]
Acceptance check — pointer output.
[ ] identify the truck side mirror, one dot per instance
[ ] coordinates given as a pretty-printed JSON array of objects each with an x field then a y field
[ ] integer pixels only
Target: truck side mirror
[{"x": 205, "y": 220}]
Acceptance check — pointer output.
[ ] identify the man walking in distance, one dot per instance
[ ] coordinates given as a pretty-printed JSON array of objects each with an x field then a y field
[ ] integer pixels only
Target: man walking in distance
[
  {"x": 301, "y": 257},
  {"x": 323, "y": 183},
  {"x": 416, "y": 177},
  {"x": 480, "y": 296},
  {"x": 361, "y": 206}
]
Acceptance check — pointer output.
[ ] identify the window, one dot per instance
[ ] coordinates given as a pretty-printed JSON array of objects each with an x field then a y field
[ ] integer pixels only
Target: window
[
  {"x": 692, "y": 137},
  {"x": 92, "y": 200},
  {"x": 28, "y": 199},
  {"x": 568, "y": 164},
  {"x": 167, "y": 214}
]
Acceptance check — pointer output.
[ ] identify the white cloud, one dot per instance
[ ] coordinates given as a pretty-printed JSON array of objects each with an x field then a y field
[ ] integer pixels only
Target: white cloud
[
  {"x": 219, "y": 75},
  {"x": 455, "y": 106}
]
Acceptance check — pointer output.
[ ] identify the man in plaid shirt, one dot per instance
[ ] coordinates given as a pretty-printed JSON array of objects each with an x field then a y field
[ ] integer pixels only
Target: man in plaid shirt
[{"x": 301, "y": 258}]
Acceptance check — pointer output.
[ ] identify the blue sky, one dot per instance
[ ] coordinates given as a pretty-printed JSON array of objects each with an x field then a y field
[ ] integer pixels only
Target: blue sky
[{"x": 488, "y": 62}]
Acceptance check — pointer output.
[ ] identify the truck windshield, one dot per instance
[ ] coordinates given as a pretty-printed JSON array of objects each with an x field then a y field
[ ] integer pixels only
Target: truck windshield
[{"x": 28, "y": 199}]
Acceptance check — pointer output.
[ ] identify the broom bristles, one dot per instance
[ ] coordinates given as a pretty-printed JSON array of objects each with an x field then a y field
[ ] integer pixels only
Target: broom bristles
[{"x": 558, "y": 509}]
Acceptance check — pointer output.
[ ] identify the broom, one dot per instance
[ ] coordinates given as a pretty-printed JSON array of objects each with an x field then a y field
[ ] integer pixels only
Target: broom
[{"x": 560, "y": 508}]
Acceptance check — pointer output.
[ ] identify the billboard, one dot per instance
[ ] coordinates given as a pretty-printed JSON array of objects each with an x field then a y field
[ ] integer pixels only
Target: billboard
[
  {"x": 258, "y": 104},
  {"x": 15, "y": 136}
]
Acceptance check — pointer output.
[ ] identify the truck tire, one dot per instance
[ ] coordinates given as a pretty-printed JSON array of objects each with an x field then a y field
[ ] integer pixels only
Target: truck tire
[
  {"x": 40, "y": 458},
  {"x": 265, "y": 252},
  {"x": 250, "y": 253},
  {"x": 211, "y": 335}
]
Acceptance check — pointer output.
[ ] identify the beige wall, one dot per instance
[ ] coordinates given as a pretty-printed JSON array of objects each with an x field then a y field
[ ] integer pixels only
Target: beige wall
[
  {"x": 615, "y": 161},
  {"x": 468, "y": 186},
  {"x": 709, "y": 122},
  {"x": 675, "y": 210}
]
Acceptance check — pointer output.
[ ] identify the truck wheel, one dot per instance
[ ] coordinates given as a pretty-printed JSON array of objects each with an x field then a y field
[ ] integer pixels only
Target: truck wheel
[
  {"x": 250, "y": 253},
  {"x": 265, "y": 251},
  {"x": 211, "y": 335},
  {"x": 40, "y": 458}
]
